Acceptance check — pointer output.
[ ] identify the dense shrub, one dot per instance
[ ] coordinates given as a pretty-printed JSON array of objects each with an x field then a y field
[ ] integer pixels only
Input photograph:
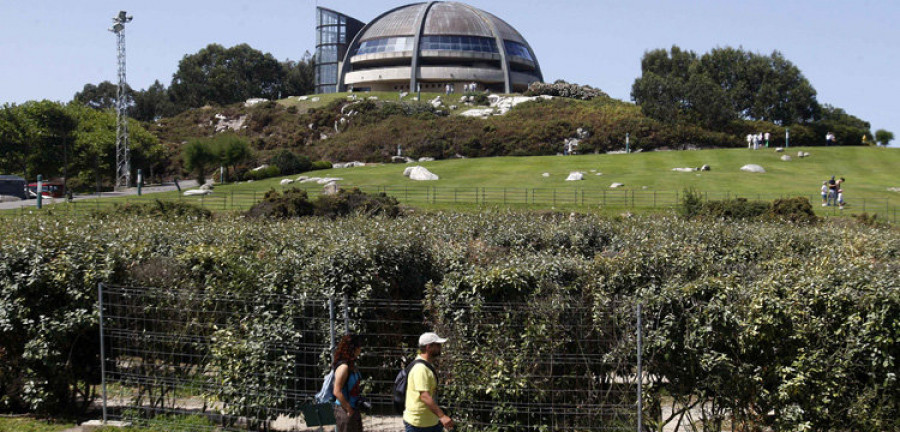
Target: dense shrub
[
  {"x": 295, "y": 203},
  {"x": 563, "y": 89},
  {"x": 160, "y": 209},
  {"x": 786, "y": 327},
  {"x": 797, "y": 210},
  {"x": 289, "y": 163},
  {"x": 320, "y": 165},
  {"x": 264, "y": 173}
]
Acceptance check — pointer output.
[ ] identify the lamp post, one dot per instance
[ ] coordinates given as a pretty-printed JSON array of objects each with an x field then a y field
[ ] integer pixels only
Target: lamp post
[
  {"x": 627, "y": 142},
  {"x": 787, "y": 137}
]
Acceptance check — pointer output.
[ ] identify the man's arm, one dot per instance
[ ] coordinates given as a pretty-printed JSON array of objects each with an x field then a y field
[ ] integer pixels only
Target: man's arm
[{"x": 426, "y": 398}]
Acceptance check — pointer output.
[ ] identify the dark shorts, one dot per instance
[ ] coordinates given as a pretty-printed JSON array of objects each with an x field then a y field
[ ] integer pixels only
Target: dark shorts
[
  {"x": 344, "y": 423},
  {"x": 436, "y": 428}
]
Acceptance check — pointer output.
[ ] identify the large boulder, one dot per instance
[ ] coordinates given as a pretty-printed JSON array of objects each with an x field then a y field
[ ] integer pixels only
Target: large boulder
[
  {"x": 197, "y": 192},
  {"x": 753, "y": 168},
  {"x": 786, "y": 158},
  {"x": 286, "y": 182},
  {"x": 575, "y": 176},
  {"x": 705, "y": 168},
  {"x": 616, "y": 185},
  {"x": 419, "y": 173},
  {"x": 331, "y": 188}
]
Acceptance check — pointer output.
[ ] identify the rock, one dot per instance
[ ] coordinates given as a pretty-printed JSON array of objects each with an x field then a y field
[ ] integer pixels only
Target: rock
[
  {"x": 705, "y": 168},
  {"x": 454, "y": 107},
  {"x": 354, "y": 164},
  {"x": 403, "y": 94},
  {"x": 254, "y": 101},
  {"x": 327, "y": 180},
  {"x": 315, "y": 99},
  {"x": 599, "y": 173},
  {"x": 311, "y": 180},
  {"x": 683, "y": 169},
  {"x": 616, "y": 185},
  {"x": 373, "y": 98},
  {"x": 545, "y": 175},
  {"x": 644, "y": 187},
  {"x": 285, "y": 182},
  {"x": 802, "y": 154},
  {"x": 197, "y": 192},
  {"x": 478, "y": 112},
  {"x": 893, "y": 189},
  {"x": 303, "y": 98},
  {"x": 301, "y": 178},
  {"x": 419, "y": 173},
  {"x": 753, "y": 168},
  {"x": 459, "y": 156},
  {"x": 779, "y": 149},
  {"x": 207, "y": 186},
  {"x": 224, "y": 123},
  {"x": 311, "y": 126},
  {"x": 426, "y": 159},
  {"x": 575, "y": 176},
  {"x": 323, "y": 137},
  {"x": 331, "y": 188},
  {"x": 786, "y": 158},
  {"x": 398, "y": 159}
]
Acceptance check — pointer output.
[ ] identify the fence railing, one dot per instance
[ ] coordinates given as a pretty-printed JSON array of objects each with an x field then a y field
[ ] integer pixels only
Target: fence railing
[
  {"x": 245, "y": 361},
  {"x": 476, "y": 195}
]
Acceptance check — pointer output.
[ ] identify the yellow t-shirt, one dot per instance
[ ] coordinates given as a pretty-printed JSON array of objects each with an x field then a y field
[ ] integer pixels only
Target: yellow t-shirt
[{"x": 417, "y": 413}]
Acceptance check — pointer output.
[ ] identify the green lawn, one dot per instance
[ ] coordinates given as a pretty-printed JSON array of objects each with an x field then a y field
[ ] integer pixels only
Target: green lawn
[
  {"x": 649, "y": 179},
  {"x": 28, "y": 424}
]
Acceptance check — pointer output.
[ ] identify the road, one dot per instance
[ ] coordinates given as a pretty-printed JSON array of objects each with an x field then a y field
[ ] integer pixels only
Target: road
[{"x": 185, "y": 184}]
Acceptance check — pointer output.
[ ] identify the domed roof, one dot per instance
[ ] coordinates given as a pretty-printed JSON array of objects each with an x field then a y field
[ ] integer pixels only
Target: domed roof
[{"x": 443, "y": 18}]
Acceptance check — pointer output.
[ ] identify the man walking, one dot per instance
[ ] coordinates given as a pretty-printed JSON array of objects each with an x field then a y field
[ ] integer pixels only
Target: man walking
[{"x": 422, "y": 413}]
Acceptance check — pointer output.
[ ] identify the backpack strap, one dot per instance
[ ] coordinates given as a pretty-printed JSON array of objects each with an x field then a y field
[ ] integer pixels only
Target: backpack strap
[{"x": 427, "y": 364}]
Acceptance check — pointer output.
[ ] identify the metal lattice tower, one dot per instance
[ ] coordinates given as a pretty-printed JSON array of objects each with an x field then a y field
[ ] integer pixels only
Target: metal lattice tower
[{"x": 123, "y": 155}]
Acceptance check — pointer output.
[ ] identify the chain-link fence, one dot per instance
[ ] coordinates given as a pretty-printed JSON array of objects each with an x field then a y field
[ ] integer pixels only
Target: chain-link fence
[
  {"x": 203, "y": 360},
  {"x": 507, "y": 196}
]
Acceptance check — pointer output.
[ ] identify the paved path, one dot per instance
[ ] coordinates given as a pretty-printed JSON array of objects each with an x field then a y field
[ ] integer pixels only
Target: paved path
[{"x": 185, "y": 184}]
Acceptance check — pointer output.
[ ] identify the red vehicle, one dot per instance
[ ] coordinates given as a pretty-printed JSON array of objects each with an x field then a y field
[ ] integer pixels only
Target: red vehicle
[{"x": 48, "y": 190}]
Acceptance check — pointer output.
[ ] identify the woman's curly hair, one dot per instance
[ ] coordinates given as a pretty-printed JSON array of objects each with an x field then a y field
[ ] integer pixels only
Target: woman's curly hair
[{"x": 345, "y": 350}]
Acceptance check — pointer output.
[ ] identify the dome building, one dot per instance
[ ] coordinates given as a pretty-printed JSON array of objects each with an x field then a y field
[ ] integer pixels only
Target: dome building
[{"x": 430, "y": 46}]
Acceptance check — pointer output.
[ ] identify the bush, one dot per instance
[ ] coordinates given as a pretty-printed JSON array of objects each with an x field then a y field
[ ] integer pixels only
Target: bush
[
  {"x": 290, "y": 204},
  {"x": 346, "y": 202},
  {"x": 289, "y": 163},
  {"x": 797, "y": 210},
  {"x": 320, "y": 165},
  {"x": 563, "y": 89},
  {"x": 295, "y": 203},
  {"x": 160, "y": 209},
  {"x": 260, "y": 174}
]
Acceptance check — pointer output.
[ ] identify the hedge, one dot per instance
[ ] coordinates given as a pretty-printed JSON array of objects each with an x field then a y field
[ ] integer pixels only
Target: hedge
[{"x": 778, "y": 326}]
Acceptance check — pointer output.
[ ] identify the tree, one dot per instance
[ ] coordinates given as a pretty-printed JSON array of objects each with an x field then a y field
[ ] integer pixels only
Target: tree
[
  {"x": 222, "y": 76},
  {"x": 289, "y": 163},
  {"x": 153, "y": 103},
  {"x": 199, "y": 157},
  {"x": 299, "y": 77},
  {"x": 884, "y": 137},
  {"x": 723, "y": 85},
  {"x": 103, "y": 95},
  {"x": 230, "y": 150}
]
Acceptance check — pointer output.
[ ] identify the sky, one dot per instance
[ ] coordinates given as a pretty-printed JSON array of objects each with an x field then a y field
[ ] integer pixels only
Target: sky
[{"x": 848, "y": 50}]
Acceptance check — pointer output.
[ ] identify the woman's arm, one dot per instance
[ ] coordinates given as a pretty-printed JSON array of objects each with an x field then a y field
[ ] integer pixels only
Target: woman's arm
[{"x": 341, "y": 375}]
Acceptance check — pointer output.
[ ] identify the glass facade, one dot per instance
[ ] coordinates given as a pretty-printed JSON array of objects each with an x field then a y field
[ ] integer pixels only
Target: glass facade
[
  {"x": 459, "y": 43},
  {"x": 518, "y": 50},
  {"x": 385, "y": 45},
  {"x": 334, "y": 32}
]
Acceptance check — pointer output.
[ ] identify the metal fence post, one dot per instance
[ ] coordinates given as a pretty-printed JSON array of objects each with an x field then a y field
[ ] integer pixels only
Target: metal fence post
[
  {"x": 331, "y": 320},
  {"x": 346, "y": 314},
  {"x": 102, "y": 348},
  {"x": 640, "y": 375}
]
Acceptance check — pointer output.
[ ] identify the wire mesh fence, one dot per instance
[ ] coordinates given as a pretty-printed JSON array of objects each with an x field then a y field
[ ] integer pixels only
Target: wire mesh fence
[
  {"x": 202, "y": 360},
  {"x": 507, "y": 196}
]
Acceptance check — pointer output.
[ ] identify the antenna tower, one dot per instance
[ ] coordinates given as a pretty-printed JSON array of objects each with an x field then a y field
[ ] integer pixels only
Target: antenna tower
[{"x": 123, "y": 154}]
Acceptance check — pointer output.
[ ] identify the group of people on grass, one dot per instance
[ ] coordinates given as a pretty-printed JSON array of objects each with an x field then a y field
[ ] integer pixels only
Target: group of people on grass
[
  {"x": 755, "y": 141},
  {"x": 833, "y": 193}
]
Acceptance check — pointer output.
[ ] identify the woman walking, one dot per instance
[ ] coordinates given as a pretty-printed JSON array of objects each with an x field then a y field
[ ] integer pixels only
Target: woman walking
[{"x": 346, "y": 385}]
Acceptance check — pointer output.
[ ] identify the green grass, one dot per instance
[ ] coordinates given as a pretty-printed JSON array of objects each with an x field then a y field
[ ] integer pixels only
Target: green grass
[
  {"x": 648, "y": 176},
  {"x": 28, "y": 424}
]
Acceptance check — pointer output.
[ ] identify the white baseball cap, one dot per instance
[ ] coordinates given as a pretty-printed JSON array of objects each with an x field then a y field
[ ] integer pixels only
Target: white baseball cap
[{"x": 430, "y": 338}]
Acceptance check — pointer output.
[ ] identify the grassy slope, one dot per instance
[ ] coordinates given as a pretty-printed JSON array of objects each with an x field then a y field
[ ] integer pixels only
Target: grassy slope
[{"x": 869, "y": 172}]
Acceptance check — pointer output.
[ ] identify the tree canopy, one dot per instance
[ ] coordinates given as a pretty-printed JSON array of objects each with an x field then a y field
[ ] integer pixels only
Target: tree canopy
[
  {"x": 723, "y": 85},
  {"x": 884, "y": 137}
]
